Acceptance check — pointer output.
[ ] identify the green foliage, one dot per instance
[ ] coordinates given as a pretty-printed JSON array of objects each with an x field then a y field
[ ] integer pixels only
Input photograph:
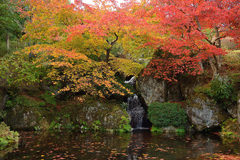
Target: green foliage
[
  {"x": 166, "y": 114},
  {"x": 2, "y": 114},
  {"x": 124, "y": 124},
  {"x": 128, "y": 86},
  {"x": 202, "y": 89},
  {"x": 222, "y": 91},
  {"x": 49, "y": 98},
  {"x": 14, "y": 46},
  {"x": 156, "y": 129},
  {"x": 54, "y": 125},
  {"x": 83, "y": 125},
  {"x": 229, "y": 128},
  {"x": 96, "y": 125},
  {"x": 24, "y": 101},
  {"x": 124, "y": 105},
  {"x": 17, "y": 72},
  {"x": 7, "y": 136}
]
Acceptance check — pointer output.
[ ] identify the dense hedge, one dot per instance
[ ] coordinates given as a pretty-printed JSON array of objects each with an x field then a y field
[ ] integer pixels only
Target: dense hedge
[{"x": 166, "y": 114}]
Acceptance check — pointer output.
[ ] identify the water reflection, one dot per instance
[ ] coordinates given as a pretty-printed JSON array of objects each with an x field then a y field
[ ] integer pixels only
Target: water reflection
[{"x": 129, "y": 146}]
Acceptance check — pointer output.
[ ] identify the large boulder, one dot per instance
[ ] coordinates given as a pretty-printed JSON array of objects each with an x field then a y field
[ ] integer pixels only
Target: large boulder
[
  {"x": 108, "y": 115},
  {"x": 204, "y": 113},
  {"x": 155, "y": 90},
  {"x": 152, "y": 90},
  {"x": 23, "y": 118}
]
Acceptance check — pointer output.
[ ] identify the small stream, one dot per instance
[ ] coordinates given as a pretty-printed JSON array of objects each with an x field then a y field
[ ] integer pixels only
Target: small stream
[{"x": 140, "y": 144}]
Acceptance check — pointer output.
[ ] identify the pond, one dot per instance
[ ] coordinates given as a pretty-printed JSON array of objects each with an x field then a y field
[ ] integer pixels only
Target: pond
[{"x": 123, "y": 146}]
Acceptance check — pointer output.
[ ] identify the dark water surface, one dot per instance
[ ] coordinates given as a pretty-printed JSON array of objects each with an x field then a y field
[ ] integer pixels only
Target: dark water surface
[{"x": 123, "y": 146}]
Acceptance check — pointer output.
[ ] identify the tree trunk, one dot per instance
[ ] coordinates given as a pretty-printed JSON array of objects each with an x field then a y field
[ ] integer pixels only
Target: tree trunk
[
  {"x": 213, "y": 66},
  {"x": 218, "y": 44},
  {"x": 108, "y": 54},
  {"x": 7, "y": 41},
  {"x": 216, "y": 61},
  {"x": 109, "y": 49}
]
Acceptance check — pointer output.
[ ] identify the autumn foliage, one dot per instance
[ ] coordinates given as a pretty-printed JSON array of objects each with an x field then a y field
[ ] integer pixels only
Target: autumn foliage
[
  {"x": 75, "y": 41},
  {"x": 189, "y": 32}
]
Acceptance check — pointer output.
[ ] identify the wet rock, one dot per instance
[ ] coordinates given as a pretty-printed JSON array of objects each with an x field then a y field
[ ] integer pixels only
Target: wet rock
[{"x": 203, "y": 112}]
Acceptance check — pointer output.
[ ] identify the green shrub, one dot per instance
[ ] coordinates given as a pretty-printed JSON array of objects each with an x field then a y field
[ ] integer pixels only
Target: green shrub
[
  {"x": 222, "y": 91},
  {"x": 24, "y": 101},
  {"x": 166, "y": 114},
  {"x": 124, "y": 105},
  {"x": 18, "y": 72},
  {"x": 7, "y": 136},
  {"x": 49, "y": 98},
  {"x": 124, "y": 124}
]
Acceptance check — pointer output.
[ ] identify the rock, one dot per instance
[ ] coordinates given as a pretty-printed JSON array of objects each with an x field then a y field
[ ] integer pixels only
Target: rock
[
  {"x": 154, "y": 90},
  {"x": 94, "y": 113},
  {"x": 188, "y": 84},
  {"x": 109, "y": 114},
  {"x": 233, "y": 111},
  {"x": 23, "y": 118},
  {"x": 203, "y": 112}
]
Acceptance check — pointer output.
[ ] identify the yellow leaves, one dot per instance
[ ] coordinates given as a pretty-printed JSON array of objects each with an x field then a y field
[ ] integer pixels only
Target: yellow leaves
[{"x": 126, "y": 66}]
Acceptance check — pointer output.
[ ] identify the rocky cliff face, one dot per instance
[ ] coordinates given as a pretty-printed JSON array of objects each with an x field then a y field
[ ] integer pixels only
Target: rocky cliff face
[
  {"x": 202, "y": 112},
  {"x": 154, "y": 90}
]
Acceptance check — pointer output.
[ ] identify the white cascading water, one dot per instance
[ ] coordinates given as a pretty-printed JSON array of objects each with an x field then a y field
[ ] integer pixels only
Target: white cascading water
[{"x": 135, "y": 109}]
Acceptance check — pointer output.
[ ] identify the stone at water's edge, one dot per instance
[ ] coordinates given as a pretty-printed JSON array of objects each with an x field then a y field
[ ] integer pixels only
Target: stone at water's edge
[
  {"x": 203, "y": 112},
  {"x": 27, "y": 118},
  {"x": 23, "y": 118},
  {"x": 109, "y": 114}
]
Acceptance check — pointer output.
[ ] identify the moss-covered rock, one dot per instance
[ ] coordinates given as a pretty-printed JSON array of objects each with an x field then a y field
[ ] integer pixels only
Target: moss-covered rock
[
  {"x": 94, "y": 114},
  {"x": 106, "y": 114},
  {"x": 203, "y": 112},
  {"x": 230, "y": 129}
]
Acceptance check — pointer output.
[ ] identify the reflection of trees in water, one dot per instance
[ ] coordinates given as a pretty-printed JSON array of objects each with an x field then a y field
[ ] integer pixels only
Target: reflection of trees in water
[
  {"x": 138, "y": 144},
  {"x": 173, "y": 146},
  {"x": 132, "y": 146},
  {"x": 6, "y": 150}
]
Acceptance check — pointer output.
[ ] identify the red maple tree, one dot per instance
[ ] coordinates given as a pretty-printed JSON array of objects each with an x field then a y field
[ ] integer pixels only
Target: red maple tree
[{"x": 189, "y": 32}]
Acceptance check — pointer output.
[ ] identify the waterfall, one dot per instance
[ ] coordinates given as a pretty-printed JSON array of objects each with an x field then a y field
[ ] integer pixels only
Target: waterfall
[
  {"x": 135, "y": 109},
  {"x": 136, "y": 112}
]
